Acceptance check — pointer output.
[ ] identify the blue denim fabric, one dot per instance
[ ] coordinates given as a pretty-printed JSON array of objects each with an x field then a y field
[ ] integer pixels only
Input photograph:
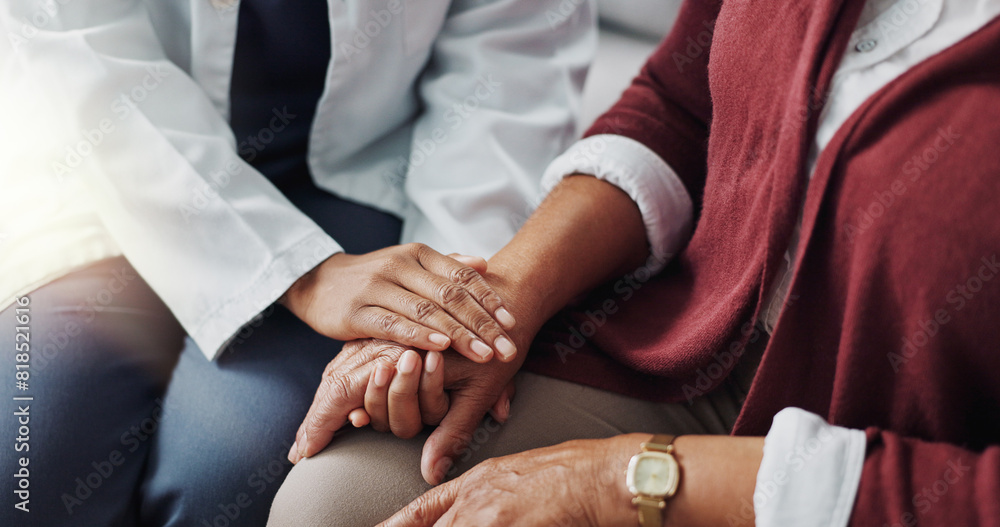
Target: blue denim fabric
[{"x": 130, "y": 422}]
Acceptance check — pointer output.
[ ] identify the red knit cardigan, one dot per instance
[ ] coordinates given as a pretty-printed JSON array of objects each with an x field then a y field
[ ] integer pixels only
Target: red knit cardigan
[{"x": 893, "y": 324}]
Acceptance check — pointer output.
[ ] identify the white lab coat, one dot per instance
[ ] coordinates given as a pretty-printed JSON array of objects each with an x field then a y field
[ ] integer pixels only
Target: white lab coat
[{"x": 116, "y": 141}]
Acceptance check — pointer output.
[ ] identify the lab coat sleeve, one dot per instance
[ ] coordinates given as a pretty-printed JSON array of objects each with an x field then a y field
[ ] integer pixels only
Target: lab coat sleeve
[
  {"x": 501, "y": 98},
  {"x": 215, "y": 240}
]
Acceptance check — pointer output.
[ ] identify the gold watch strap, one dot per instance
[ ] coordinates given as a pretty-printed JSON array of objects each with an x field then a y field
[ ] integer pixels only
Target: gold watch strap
[
  {"x": 650, "y": 511},
  {"x": 660, "y": 443}
]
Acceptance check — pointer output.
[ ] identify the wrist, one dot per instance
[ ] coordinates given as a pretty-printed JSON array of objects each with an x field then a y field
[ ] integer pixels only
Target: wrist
[
  {"x": 531, "y": 292},
  {"x": 615, "y": 504},
  {"x": 298, "y": 296},
  {"x": 718, "y": 473},
  {"x": 520, "y": 306}
]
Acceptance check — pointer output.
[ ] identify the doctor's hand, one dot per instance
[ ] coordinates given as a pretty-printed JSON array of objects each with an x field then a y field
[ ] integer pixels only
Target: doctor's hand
[{"x": 409, "y": 294}]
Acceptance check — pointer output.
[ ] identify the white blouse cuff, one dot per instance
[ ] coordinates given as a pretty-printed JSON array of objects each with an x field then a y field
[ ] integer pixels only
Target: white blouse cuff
[
  {"x": 810, "y": 472},
  {"x": 665, "y": 204}
]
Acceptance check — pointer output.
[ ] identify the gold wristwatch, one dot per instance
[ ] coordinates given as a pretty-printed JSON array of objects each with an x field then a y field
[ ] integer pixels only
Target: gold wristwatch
[{"x": 652, "y": 477}]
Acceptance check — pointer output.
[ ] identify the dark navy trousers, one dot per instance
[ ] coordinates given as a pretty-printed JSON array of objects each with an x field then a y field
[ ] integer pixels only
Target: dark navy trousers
[{"x": 130, "y": 424}]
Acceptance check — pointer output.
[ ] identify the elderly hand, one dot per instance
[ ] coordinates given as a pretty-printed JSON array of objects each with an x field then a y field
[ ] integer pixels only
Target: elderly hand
[
  {"x": 403, "y": 395},
  {"x": 574, "y": 483},
  {"x": 473, "y": 390},
  {"x": 583, "y": 483},
  {"x": 408, "y": 294}
]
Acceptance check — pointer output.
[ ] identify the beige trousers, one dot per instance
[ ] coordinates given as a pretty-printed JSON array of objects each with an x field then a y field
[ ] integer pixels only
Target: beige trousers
[{"x": 364, "y": 476}]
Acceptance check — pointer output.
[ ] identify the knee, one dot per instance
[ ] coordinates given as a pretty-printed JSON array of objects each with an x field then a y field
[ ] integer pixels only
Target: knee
[{"x": 361, "y": 481}]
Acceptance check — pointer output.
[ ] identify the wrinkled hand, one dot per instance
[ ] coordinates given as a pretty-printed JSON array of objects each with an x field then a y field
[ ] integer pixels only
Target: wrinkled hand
[
  {"x": 403, "y": 399},
  {"x": 574, "y": 483},
  {"x": 408, "y": 294},
  {"x": 365, "y": 380},
  {"x": 474, "y": 390},
  {"x": 387, "y": 380}
]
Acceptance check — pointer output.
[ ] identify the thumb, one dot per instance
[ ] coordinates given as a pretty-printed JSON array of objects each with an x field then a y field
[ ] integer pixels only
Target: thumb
[
  {"x": 501, "y": 409},
  {"x": 450, "y": 439},
  {"x": 427, "y": 509},
  {"x": 476, "y": 262}
]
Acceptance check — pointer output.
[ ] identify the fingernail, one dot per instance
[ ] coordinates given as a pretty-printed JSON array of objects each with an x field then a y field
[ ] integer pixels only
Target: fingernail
[
  {"x": 439, "y": 339},
  {"x": 480, "y": 348},
  {"x": 293, "y": 453},
  {"x": 505, "y": 347},
  {"x": 381, "y": 376},
  {"x": 505, "y": 318},
  {"x": 506, "y": 408},
  {"x": 407, "y": 363},
  {"x": 302, "y": 447},
  {"x": 433, "y": 360}
]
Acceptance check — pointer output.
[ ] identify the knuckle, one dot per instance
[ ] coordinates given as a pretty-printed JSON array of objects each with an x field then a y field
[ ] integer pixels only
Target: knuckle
[
  {"x": 338, "y": 389},
  {"x": 370, "y": 286},
  {"x": 489, "y": 466},
  {"x": 449, "y": 293},
  {"x": 434, "y": 415},
  {"x": 393, "y": 262},
  {"x": 485, "y": 326},
  {"x": 491, "y": 299},
  {"x": 457, "y": 438},
  {"x": 387, "y": 322},
  {"x": 420, "y": 509},
  {"x": 415, "y": 250},
  {"x": 464, "y": 275},
  {"x": 407, "y": 332},
  {"x": 424, "y": 309},
  {"x": 389, "y": 266},
  {"x": 401, "y": 394},
  {"x": 331, "y": 369},
  {"x": 388, "y": 353},
  {"x": 453, "y": 328}
]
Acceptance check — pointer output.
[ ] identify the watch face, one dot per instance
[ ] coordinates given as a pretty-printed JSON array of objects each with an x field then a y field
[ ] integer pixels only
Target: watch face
[{"x": 653, "y": 474}]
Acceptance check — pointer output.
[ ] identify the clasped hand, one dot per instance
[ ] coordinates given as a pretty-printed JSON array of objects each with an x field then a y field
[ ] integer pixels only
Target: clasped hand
[{"x": 388, "y": 383}]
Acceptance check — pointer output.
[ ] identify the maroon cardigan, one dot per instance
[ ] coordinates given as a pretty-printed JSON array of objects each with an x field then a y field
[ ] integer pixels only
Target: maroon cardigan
[{"x": 894, "y": 318}]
